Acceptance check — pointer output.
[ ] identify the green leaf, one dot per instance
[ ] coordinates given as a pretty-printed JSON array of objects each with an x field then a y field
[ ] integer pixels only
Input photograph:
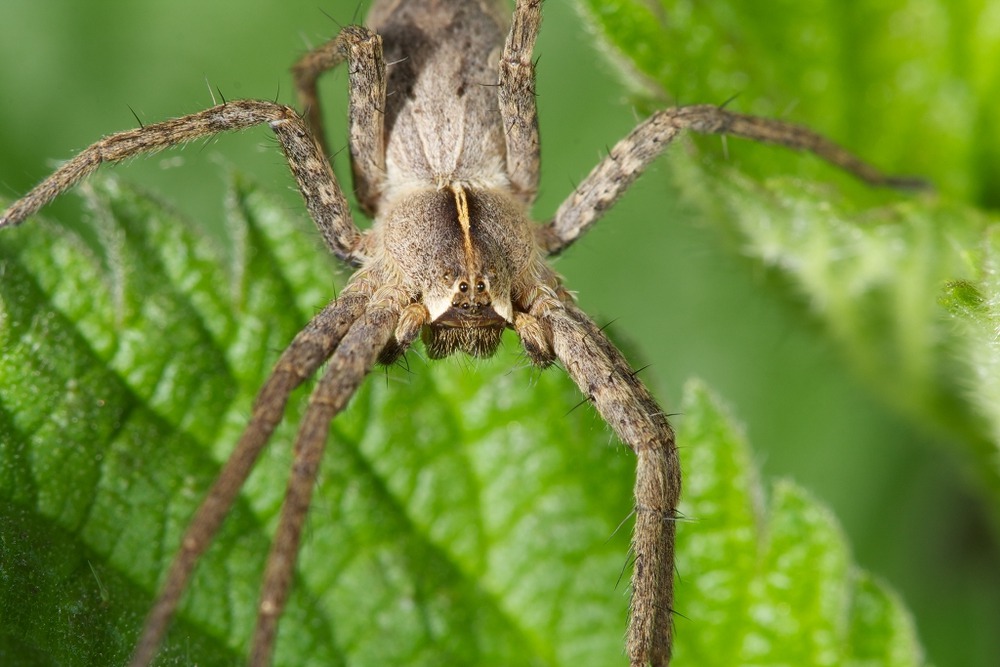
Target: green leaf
[
  {"x": 769, "y": 582},
  {"x": 466, "y": 512},
  {"x": 892, "y": 286},
  {"x": 889, "y": 276},
  {"x": 906, "y": 84}
]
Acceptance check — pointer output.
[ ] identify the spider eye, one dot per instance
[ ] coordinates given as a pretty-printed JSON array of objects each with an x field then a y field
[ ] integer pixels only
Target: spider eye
[
  {"x": 463, "y": 287},
  {"x": 480, "y": 286}
]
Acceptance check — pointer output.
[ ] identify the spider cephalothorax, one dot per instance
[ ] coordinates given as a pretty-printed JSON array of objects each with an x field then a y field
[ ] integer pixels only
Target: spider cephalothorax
[
  {"x": 445, "y": 156},
  {"x": 468, "y": 256}
]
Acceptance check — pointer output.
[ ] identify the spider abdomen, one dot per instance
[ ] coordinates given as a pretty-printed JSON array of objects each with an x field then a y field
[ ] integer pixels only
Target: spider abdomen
[{"x": 442, "y": 120}]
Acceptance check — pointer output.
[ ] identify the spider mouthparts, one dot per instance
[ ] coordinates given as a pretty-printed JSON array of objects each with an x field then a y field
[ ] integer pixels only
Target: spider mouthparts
[{"x": 471, "y": 316}]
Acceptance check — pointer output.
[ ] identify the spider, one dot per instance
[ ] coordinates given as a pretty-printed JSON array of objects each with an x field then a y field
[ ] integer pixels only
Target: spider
[{"x": 444, "y": 149}]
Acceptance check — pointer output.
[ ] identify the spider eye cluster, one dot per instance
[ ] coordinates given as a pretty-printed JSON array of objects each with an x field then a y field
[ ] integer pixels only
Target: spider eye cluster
[
  {"x": 471, "y": 301},
  {"x": 463, "y": 286}
]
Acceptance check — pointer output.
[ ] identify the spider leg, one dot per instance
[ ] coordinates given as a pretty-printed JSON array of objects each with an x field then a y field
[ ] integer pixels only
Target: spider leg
[
  {"x": 352, "y": 360},
  {"x": 630, "y": 157},
  {"x": 363, "y": 49},
  {"x": 323, "y": 197},
  {"x": 516, "y": 94},
  {"x": 310, "y": 348},
  {"x": 604, "y": 376}
]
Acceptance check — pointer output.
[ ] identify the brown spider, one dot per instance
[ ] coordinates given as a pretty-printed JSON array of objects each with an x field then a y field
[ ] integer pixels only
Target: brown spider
[{"x": 445, "y": 155}]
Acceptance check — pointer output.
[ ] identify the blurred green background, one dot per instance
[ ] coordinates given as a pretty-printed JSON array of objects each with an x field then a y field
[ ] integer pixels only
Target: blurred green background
[{"x": 680, "y": 295}]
